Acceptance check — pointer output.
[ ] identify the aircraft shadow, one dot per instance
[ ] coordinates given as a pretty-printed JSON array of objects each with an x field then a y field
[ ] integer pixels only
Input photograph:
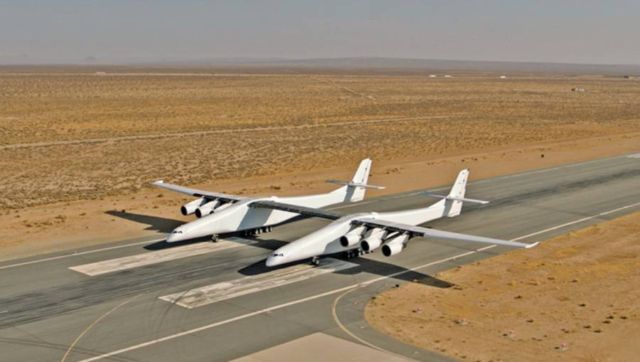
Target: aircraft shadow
[
  {"x": 364, "y": 265},
  {"x": 159, "y": 245},
  {"x": 155, "y": 223}
]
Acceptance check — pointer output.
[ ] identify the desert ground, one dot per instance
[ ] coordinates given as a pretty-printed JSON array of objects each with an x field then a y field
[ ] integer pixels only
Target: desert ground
[
  {"x": 571, "y": 298},
  {"x": 78, "y": 146}
]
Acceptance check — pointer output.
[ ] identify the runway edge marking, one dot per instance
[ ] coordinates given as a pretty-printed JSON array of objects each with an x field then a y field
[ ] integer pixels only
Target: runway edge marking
[
  {"x": 78, "y": 253},
  {"x": 338, "y": 290},
  {"x": 213, "y": 293}
]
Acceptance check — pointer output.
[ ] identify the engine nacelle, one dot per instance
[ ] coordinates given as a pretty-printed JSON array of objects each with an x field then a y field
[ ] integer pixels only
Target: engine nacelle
[
  {"x": 395, "y": 245},
  {"x": 191, "y": 207},
  {"x": 352, "y": 237},
  {"x": 373, "y": 239},
  {"x": 207, "y": 208}
]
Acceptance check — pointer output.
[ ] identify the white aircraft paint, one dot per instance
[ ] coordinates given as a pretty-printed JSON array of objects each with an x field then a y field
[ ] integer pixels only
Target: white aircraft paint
[
  {"x": 241, "y": 216},
  {"x": 326, "y": 241}
]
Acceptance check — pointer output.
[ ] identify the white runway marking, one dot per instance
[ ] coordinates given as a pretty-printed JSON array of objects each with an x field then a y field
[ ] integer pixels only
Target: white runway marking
[
  {"x": 153, "y": 257},
  {"x": 78, "y": 253},
  {"x": 331, "y": 292},
  {"x": 214, "y": 293},
  {"x": 636, "y": 155}
]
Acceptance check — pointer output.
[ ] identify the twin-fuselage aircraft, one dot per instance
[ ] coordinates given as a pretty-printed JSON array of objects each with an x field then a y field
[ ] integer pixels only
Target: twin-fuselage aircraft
[{"x": 351, "y": 234}]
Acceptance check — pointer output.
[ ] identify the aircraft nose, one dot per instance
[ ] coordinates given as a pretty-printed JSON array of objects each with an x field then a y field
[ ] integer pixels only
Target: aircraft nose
[
  {"x": 270, "y": 262},
  {"x": 175, "y": 236},
  {"x": 273, "y": 260}
]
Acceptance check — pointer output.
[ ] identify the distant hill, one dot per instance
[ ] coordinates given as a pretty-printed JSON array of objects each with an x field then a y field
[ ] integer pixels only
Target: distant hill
[
  {"x": 416, "y": 65},
  {"x": 354, "y": 65}
]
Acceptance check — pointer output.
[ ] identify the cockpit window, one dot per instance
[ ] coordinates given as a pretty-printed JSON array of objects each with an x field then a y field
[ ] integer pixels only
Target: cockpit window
[
  {"x": 278, "y": 254},
  {"x": 176, "y": 232}
]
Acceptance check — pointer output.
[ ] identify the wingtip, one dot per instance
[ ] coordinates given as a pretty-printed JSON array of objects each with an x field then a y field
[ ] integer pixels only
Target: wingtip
[
  {"x": 158, "y": 182},
  {"x": 532, "y": 245}
]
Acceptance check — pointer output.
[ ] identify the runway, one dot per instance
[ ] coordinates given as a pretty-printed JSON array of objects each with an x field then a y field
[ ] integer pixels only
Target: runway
[{"x": 143, "y": 300}]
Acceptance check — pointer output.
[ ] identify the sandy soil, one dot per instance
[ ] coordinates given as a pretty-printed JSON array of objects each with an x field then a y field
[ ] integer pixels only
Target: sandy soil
[
  {"x": 88, "y": 136},
  {"x": 574, "y": 297},
  {"x": 76, "y": 149}
]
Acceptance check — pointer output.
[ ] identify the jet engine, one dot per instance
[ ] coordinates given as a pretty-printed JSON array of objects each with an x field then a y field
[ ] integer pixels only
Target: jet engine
[
  {"x": 207, "y": 208},
  {"x": 191, "y": 207},
  {"x": 395, "y": 245},
  {"x": 373, "y": 239},
  {"x": 352, "y": 237}
]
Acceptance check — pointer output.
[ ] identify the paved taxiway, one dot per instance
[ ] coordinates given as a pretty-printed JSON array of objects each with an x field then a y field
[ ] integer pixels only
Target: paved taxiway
[{"x": 122, "y": 302}]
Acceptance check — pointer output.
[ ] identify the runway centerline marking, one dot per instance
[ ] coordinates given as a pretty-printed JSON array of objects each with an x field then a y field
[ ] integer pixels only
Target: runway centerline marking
[
  {"x": 214, "y": 293},
  {"x": 154, "y": 257},
  {"x": 338, "y": 290}
]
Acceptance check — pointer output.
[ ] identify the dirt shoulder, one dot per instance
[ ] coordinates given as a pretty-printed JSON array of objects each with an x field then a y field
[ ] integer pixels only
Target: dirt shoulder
[
  {"x": 154, "y": 212},
  {"x": 574, "y": 297}
]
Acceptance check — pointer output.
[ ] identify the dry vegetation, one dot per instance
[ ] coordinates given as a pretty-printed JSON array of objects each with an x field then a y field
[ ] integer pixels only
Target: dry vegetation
[
  {"x": 228, "y": 115},
  {"x": 572, "y": 298}
]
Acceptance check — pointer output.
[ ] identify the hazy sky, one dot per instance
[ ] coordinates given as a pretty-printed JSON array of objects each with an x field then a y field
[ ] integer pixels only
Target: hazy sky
[{"x": 584, "y": 31}]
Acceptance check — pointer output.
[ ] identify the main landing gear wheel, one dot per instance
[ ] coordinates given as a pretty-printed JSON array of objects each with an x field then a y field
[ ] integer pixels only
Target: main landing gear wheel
[
  {"x": 315, "y": 261},
  {"x": 214, "y": 238},
  {"x": 350, "y": 254}
]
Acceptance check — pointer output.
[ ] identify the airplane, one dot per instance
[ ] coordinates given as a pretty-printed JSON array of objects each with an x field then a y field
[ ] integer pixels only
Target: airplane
[
  {"x": 220, "y": 213},
  {"x": 365, "y": 232}
]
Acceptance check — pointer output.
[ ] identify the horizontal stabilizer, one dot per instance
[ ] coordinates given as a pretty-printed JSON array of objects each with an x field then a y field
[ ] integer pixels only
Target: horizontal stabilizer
[
  {"x": 355, "y": 184},
  {"x": 474, "y": 201}
]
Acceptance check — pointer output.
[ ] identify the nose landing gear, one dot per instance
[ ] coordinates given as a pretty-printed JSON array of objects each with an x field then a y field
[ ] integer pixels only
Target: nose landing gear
[{"x": 315, "y": 261}]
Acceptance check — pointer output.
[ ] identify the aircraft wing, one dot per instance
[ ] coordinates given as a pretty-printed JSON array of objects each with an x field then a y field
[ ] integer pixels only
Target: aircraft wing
[
  {"x": 197, "y": 193},
  {"x": 302, "y": 210},
  {"x": 436, "y": 234}
]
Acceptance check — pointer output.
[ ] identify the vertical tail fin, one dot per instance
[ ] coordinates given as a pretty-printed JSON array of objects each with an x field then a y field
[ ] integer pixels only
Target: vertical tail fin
[
  {"x": 362, "y": 173},
  {"x": 355, "y": 189},
  {"x": 355, "y": 193},
  {"x": 454, "y": 207}
]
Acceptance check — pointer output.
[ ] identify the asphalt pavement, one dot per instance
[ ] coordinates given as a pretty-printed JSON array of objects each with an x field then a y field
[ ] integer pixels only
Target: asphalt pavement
[{"x": 144, "y": 300}]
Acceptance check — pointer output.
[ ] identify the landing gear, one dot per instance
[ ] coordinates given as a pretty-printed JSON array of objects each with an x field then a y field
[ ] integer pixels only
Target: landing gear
[
  {"x": 315, "y": 261},
  {"x": 354, "y": 253},
  {"x": 254, "y": 232},
  {"x": 214, "y": 238}
]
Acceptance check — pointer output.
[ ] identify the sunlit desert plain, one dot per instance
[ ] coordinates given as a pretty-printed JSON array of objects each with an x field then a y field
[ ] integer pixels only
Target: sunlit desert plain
[{"x": 76, "y": 142}]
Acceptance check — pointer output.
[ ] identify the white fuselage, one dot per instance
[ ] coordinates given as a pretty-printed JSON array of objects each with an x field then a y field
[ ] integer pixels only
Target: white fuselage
[
  {"x": 326, "y": 241},
  {"x": 241, "y": 216}
]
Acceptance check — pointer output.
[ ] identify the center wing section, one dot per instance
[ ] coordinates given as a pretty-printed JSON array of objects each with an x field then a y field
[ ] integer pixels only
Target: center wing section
[
  {"x": 198, "y": 193},
  {"x": 437, "y": 234},
  {"x": 302, "y": 210}
]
